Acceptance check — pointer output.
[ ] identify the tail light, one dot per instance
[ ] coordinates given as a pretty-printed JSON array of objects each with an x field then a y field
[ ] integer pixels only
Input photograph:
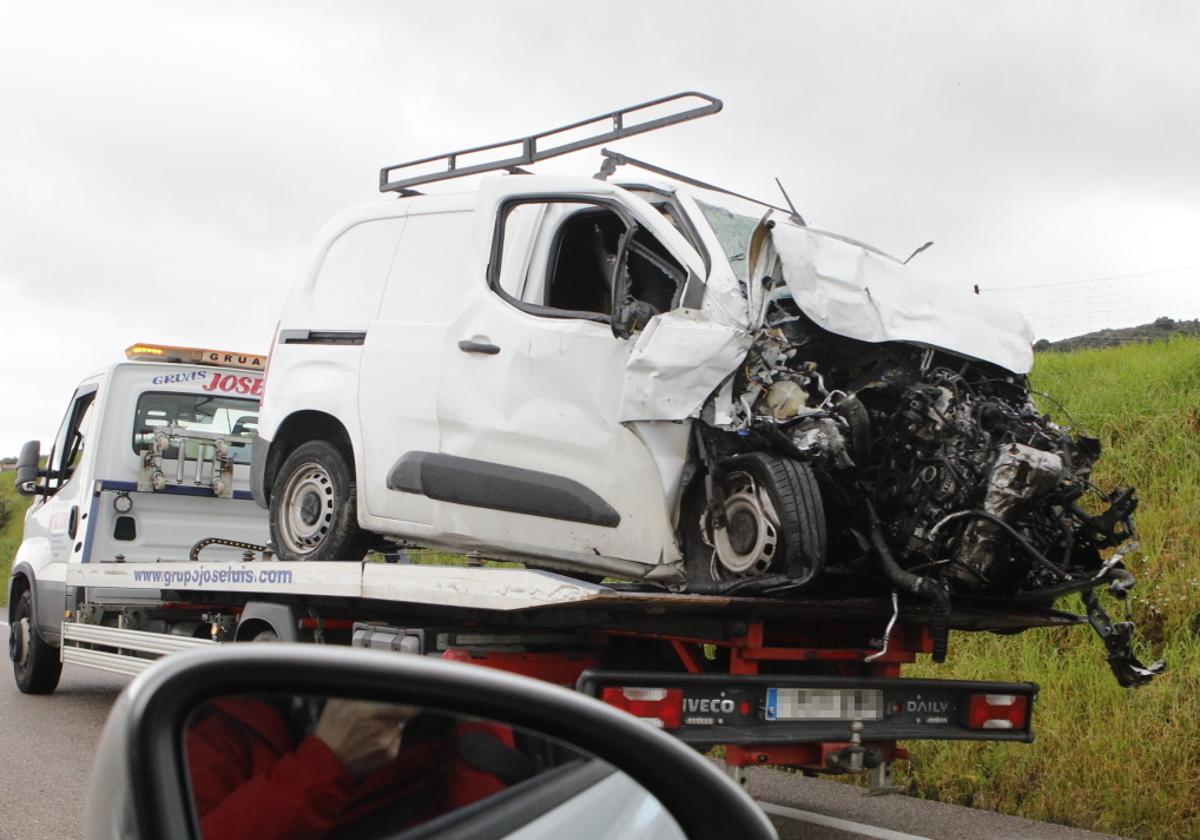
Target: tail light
[
  {"x": 661, "y": 707},
  {"x": 998, "y": 711}
]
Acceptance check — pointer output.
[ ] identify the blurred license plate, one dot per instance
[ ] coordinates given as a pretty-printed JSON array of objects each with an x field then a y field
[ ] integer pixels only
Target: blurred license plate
[{"x": 824, "y": 704}]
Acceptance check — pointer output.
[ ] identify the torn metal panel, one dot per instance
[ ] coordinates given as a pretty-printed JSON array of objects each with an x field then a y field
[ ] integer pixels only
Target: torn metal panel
[
  {"x": 679, "y": 360},
  {"x": 669, "y": 444},
  {"x": 857, "y": 292}
]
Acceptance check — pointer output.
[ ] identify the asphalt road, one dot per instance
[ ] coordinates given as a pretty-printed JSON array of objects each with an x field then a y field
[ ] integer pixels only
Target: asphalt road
[{"x": 46, "y": 747}]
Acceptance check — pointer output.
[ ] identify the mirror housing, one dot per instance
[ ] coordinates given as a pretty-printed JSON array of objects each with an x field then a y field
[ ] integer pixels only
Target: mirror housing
[
  {"x": 139, "y": 786},
  {"x": 27, "y": 468}
]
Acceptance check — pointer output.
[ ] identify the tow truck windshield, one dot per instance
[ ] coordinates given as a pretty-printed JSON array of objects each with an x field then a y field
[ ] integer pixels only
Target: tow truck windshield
[{"x": 236, "y": 418}]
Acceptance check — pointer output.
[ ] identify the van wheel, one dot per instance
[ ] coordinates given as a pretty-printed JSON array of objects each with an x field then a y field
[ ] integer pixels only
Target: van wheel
[
  {"x": 36, "y": 665},
  {"x": 775, "y": 523},
  {"x": 314, "y": 506}
]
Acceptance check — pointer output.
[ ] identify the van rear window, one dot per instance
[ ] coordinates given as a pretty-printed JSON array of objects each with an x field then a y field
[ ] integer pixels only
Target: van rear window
[{"x": 233, "y": 418}]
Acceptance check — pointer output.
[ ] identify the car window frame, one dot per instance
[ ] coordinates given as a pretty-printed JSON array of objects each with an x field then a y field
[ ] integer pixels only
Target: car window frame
[
  {"x": 71, "y": 423},
  {"x": 497, "y": 251},
  {"x": 681, "y": 297},
  {"x": 658, "y": 198}
]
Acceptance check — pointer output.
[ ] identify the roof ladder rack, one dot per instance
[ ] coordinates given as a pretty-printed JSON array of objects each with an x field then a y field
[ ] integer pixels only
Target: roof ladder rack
[{"x": 531, "y": 150}]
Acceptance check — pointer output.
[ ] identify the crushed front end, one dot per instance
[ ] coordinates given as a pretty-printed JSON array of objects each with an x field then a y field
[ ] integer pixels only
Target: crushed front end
[{"x": 876, "y": 440}]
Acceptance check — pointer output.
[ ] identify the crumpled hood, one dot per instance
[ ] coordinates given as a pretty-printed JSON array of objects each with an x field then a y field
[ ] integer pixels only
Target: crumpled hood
[{"x": 856, "y": 292}]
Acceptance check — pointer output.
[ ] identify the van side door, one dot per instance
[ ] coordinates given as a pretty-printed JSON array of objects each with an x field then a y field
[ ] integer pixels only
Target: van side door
[
  {"x": 533, "y": 457},
  {"x": 402, "y": 356}
]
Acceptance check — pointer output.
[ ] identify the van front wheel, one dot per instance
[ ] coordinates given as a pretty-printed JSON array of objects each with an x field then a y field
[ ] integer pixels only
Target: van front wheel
[{"x": 314, "y": 506}]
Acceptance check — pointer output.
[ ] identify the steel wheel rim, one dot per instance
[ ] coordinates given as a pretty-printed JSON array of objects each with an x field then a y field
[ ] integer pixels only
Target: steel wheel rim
[
  {"x": 747, "y": 505},
  {"x": 18, "y": 646},
  {"x": 306, "y": 512}
]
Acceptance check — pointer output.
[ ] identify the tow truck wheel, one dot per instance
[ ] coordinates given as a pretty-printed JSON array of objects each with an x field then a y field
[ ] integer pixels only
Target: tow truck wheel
[
  {"x": 314, "y": 506},
  {"x": 774, "y": 523},
  {"x": 36, "y": 665}
]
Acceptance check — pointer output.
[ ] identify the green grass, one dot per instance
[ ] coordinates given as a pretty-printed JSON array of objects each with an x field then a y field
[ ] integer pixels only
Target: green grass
[
  {"x": 1106, "y": 758},
  {"x": 10, "y": 534}
]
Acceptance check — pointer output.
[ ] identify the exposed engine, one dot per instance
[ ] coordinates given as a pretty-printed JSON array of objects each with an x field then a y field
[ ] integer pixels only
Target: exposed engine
[{"x": 938, "y": 470}]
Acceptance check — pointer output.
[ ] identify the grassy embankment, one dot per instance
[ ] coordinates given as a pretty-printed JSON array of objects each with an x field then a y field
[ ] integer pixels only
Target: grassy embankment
[
  {"x": 1106, "y": 758},
  {"x": 10, "y": 534}
]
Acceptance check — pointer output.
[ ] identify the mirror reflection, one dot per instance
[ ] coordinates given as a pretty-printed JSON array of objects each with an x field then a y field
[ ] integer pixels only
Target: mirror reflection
[{"x": 286, "y": 766}]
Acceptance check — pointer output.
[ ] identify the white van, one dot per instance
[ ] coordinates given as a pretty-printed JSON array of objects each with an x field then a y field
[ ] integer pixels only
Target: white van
[{"x": 644, "y": 380}]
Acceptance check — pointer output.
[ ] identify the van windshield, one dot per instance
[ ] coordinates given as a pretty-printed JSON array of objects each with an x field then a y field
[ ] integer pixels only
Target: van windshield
[
  {"x": 733, "y": 231},
  {"x": 233, "y": 418}
]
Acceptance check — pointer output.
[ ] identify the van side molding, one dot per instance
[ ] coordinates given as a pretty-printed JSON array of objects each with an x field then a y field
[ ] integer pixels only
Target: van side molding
[{"x": 468, "y": 481}]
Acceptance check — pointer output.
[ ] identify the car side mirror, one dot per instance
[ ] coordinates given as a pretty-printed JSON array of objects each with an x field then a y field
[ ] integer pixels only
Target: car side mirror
[
  {"x": 392, "y": 745},
  {"x": 28, "y": 472}
]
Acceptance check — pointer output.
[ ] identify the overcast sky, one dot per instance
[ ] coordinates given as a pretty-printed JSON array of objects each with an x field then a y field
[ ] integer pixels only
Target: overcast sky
[{"x": 163, "y": 167}]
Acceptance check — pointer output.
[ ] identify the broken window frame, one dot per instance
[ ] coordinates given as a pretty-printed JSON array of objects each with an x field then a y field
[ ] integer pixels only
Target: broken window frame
[{"x": 495, "y": 264}]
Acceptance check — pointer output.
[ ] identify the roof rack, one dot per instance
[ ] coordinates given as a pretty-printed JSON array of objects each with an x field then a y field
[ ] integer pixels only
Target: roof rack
[{"x": 530, "y": 151}]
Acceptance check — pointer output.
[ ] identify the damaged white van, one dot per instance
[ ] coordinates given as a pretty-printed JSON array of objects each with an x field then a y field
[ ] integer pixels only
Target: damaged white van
[{"x": 641, "y": 380}]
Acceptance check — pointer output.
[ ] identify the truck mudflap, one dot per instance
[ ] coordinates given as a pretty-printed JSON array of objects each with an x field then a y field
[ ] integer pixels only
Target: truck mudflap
[{"x": 711, "y": 709}]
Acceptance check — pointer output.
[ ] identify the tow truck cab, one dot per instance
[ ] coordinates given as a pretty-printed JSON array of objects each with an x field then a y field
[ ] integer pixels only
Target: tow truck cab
[{"x": 152, "y": 455}]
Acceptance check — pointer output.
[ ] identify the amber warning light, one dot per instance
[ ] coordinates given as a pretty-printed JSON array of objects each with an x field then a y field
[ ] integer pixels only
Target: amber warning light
[{"x": 195, "y": 356}]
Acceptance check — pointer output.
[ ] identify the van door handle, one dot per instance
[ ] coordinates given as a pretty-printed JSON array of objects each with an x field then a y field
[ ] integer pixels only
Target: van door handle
[
  {"x": 73, "y": 522},
  {"x": 486, "y": 347}
]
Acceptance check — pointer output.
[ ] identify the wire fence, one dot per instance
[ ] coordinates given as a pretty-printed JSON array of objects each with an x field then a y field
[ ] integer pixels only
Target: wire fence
[{"x": 1071, "y": 308}]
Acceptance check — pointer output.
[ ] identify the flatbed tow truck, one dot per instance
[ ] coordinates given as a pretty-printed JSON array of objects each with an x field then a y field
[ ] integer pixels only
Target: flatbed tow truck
[
  {"x": 814, "y": 685},
  {"x": 120, "y": 566}
]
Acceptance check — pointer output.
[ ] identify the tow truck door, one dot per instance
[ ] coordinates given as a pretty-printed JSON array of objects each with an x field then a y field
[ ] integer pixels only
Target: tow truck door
[{"x": 54, "y": 533}]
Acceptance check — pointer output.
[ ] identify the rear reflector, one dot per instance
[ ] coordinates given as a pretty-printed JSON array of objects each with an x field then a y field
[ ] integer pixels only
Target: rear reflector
[
  {"x": 662, "y": 707},
  {"x": 998, "y": 711}
]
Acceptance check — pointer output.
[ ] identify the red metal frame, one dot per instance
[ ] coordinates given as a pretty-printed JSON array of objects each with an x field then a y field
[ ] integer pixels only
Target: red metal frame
[
  {"x": 748, "y": 650},
  {"x": 559, "y": 668},
  {"x": 753, "y": 647},
  {"x": 842, "y": 647}
]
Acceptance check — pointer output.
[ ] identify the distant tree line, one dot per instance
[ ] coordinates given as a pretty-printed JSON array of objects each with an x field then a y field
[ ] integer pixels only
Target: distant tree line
[
  {"x": 6, "y": 508},
  {"x": 1158, "y": 330}
]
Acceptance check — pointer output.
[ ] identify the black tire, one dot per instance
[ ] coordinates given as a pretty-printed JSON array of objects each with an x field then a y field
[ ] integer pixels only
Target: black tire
[
  {"x": 314, "y": 506},
  {"x": 802, "y": 541},
  {"x": 36, "y": 666}
]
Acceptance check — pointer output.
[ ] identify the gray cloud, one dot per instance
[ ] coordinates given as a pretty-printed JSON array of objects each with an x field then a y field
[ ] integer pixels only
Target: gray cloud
[{"x": 164, "y": 166}]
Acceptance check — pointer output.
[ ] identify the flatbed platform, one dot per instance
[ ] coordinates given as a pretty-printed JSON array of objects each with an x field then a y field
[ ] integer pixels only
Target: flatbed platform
[{"x": 520, "y": 592}]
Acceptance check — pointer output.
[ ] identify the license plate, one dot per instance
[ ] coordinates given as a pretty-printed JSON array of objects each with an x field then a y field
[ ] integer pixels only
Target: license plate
[{"x": 824, "y": 704}]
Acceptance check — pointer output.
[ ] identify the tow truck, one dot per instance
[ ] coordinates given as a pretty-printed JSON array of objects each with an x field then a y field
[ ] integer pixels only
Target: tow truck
[{"x": 143, "y": 540}]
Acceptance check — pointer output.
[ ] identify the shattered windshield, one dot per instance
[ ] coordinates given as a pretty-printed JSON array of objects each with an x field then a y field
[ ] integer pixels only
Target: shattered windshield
[{"x": 733, "y": 231}]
